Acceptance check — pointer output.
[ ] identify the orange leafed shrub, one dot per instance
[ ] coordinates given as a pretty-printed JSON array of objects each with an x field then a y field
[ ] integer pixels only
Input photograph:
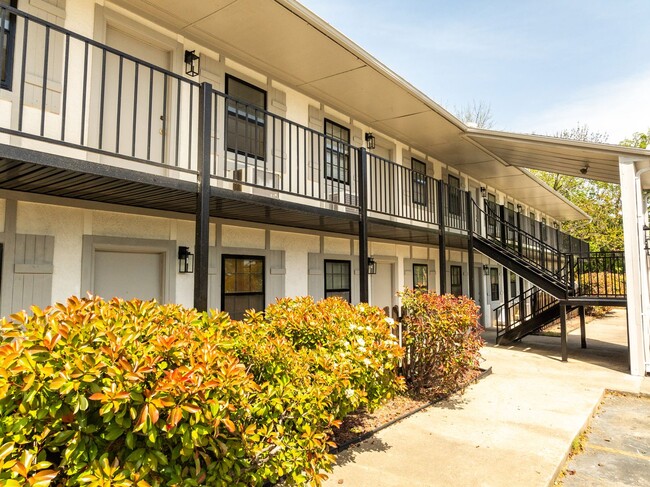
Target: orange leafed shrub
[{"x": 132, "y": 393}]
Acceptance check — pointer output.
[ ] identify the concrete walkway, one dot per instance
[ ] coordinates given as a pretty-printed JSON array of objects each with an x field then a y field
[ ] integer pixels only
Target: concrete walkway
[{"x": 514, "y": 428}]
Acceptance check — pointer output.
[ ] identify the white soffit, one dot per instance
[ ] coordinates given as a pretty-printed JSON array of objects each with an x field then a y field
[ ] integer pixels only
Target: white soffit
[{"x": 295, "y": 46}]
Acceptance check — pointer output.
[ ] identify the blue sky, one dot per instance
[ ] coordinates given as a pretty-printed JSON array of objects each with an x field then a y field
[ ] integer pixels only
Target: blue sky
[{"x": 541, "y": 65}]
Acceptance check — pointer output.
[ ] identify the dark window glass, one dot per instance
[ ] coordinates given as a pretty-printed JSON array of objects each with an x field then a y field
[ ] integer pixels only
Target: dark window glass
[
  {"x": 456, "y": 273},
  {"x": 7, "y": 37},
  {"x": 246, "y": 119},
  {"x": 454, "y": 195},
  {"x": 420, "y": 276},
  {"x": 494, "y": 284},
  {"x": 337, "y": 279},
  {"x": 419, "y": 182},
  {"x": 513, "y": 284},
  {"x": 544, "y": 229},
  {"x": 533, "y": 224},
  {"x": 337, "y": 152},
  {"x": 243, "y": 284},
  {"x": 511, "y": 219},
  {"x": 491, "y": 210}
]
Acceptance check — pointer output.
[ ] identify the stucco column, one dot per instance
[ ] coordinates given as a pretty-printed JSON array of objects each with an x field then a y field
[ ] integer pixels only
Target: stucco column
[{"x": 635, "y": 265}]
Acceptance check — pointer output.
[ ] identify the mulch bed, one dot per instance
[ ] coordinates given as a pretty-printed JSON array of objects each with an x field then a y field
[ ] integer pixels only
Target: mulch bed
[{"x": 362, "y": 424}]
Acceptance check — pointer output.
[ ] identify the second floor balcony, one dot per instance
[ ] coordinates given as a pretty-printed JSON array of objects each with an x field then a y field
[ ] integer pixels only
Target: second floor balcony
[{"x": 74, "y": 98}]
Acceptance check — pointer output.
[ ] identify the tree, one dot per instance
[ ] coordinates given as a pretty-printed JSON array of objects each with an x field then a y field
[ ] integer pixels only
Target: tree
[
  {"x": 639, "y": 139},
  {"x": 600, "y": 200},
  {"x": 476, "y": 114}
]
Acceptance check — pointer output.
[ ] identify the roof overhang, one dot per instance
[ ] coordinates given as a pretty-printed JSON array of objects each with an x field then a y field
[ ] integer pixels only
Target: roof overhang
[{"x": 296, "y": 47}]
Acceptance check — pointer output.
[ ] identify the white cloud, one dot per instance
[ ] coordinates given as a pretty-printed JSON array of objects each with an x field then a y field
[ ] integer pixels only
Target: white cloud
[{"x": 618, "y": 108}]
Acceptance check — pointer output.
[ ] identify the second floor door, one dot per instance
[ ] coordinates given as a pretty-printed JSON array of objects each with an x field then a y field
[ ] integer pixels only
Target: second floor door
[{"x": 136, "y": 99}]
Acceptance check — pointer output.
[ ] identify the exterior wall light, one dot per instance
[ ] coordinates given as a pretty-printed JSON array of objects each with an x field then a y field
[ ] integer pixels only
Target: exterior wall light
[
  {"x": 483, "y": 191},
  {"x": 519, "y": 208},
  {"x": 185, "y": 260},
  {"x": 192, "y": 63},
  {"x": 486, "y": 270},
  {"x": 370, "y": 140},
  {"x": 372, "y": 266},
  {"x": 646, "y": 231}
]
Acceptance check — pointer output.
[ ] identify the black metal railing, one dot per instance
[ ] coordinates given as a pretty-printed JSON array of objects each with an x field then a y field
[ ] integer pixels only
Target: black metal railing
[
  {"x": 601, "y": 274},
  {"x": 522, "y": 245},
  {"x": 522, "y": 308},
  {"x": 400, "y": 191},
  {"x": 86, "y": 95}
]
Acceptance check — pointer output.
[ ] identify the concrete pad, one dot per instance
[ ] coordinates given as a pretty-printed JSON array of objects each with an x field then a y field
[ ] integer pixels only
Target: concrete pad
[
  {"x": 515, "y": 427},
  {"x": 616, "y": 448}
]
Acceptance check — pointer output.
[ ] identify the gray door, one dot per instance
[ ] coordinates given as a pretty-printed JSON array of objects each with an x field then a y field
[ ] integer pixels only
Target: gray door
[{"x": 128, "y": 275}]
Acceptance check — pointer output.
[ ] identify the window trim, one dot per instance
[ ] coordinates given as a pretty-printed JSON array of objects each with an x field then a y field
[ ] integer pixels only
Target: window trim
[
  {"x": 426, "y": 276},
  {"x": 419, "y": 181},
  {"x": 348, "y": 172},
  {"x": 451, "y": 279},
  {"x": 494, "y": 271},
  {"x": 231, "y": 78},
  {"x": 6, "y": 84},
  {"x": 223, "y": 277},
  {"x": 337, "y": 261}
]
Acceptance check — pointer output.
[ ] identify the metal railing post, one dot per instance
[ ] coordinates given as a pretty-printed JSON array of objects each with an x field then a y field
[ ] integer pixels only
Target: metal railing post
[
  {"x": 202, "y": 235},
  {"x": 363, "y": 224}
]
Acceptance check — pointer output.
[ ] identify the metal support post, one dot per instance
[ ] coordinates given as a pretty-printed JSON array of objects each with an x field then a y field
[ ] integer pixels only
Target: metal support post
[
  {"x": 470, "y": 244},
  {"x": 442, "y": 248},
  {"x": 202, "y": 235},
  {"x": 363, "y": 225},
  {"x": 563, "y": 333}
]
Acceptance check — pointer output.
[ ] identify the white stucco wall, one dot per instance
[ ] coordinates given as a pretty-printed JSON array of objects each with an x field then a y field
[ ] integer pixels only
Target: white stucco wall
[{"x": 297, "y": 248}]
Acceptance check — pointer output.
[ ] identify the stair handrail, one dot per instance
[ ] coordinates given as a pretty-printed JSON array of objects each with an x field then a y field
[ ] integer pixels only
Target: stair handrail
[
  {"x": 561, "y": 273},
  {"x": 543, "y": 305}
]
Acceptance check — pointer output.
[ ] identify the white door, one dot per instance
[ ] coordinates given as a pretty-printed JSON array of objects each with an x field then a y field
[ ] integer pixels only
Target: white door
[
  {"x": 128, "y": 275},
  {"x": 382, "y": 286},
  {"x": 127, "y": 102}
]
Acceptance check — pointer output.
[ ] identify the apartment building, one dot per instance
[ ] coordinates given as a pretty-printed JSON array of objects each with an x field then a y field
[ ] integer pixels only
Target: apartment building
[{"x": 224, "y": 154}]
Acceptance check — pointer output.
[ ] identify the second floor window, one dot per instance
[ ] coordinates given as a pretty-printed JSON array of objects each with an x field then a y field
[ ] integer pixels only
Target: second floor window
[
  {"x": 454, "y": 195},
  {"x": 7, "y": 36},
  {"x": 419, "y": 182},
  {"x": 491, "y": 211},
  {"x": 337, "y": 152},
  {"x": 246, "y": 119}
]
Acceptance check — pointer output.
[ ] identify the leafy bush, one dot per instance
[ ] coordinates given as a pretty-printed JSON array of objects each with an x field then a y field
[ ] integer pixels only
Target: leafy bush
[
  {"x": 443, "y": 339},
  {"x": 141, "y": 394}
]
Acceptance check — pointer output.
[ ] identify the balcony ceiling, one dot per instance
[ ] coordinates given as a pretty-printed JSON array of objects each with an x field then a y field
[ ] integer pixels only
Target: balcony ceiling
[{"x": 293, "y": 45}]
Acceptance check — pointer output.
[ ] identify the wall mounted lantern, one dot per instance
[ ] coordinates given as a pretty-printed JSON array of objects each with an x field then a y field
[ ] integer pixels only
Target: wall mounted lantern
[
  {"x": 372, "y": 266},
  {"x": 519, "y": 208},
  {"x": 192, "y": 63},
  {"x": 370, "y": 141},
  {"x": 486, "y": 270},
  {"x": 185, "y": 260},
  {"x": 483, "y": 191},
  {"x": 646, "y": 231}
]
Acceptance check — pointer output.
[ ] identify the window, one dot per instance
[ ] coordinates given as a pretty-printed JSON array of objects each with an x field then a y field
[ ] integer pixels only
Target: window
[
  {"x": 419, "y": 182},
  {"x": 494, "y": 284},
  {"x": 337, "y": 152},
  {"x": 246, "y": 119},
  {"x": 454, "y": 195},
  {"x": 544, "y": 229},
  {"x": 513, "y": 284},
  {"x": 242, "y": 285},
  {"x": 337, "y": 279},
  {"x": 533, "y": 225},
  {"x": 7, "y": 37},
  {"x": 456, "y": 272},
  {"x": 420, "y": 276},
  {"x": 491, "y": 210},
  {"x": 511, "y": 219}
]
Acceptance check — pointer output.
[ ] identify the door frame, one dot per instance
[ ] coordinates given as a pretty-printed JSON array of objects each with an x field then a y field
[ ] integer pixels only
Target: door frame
[{"x": 93, "y": 243}]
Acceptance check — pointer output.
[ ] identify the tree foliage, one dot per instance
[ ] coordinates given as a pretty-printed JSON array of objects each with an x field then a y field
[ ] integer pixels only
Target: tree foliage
[
  {"x": 600, "y": 200},
  {"x": 638, "y": 139}
]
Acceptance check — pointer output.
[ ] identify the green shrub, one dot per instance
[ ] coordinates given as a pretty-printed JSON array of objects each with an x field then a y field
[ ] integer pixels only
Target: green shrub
[
  {"x": 443, "y": 339},
  {"x": 141, "y": 394}
]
